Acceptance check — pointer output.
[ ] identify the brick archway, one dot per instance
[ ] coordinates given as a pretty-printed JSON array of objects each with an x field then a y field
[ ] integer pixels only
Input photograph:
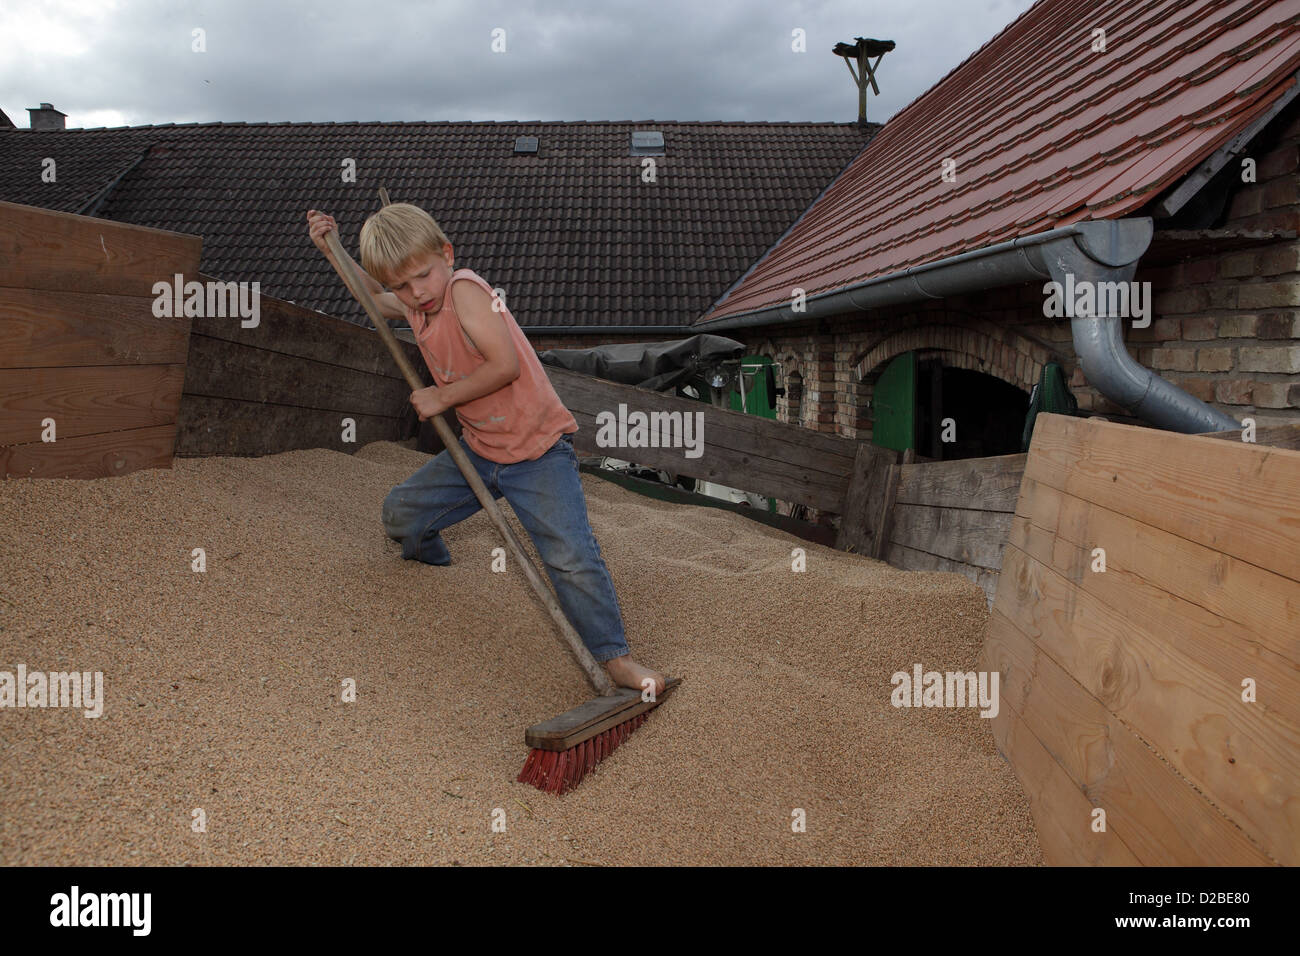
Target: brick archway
[{"x": 1010, "y": 357}]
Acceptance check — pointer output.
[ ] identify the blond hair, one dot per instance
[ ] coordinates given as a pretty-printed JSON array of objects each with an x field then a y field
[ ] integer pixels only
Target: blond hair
[{"x": 394, "y": 236}]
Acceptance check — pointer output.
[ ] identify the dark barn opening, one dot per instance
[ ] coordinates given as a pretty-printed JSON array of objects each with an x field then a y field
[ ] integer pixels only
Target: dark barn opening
[{"x": 988, "y": 414}]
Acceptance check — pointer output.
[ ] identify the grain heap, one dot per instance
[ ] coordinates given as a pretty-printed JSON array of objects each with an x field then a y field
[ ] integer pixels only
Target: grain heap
[{"x": 223, "y": 688}]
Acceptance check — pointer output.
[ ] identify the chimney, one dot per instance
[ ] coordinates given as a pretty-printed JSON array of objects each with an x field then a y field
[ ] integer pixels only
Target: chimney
[{"x": 47, "y": 117}]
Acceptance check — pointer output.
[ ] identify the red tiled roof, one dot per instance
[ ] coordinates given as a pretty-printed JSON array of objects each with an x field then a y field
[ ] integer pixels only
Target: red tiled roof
[
  {"x": 571, "y": 232},
  {"x": 1044, "y": 132}
]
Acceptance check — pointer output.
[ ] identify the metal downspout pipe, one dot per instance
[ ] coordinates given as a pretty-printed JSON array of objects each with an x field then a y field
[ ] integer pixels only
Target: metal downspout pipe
[{"x": 1107, "y": 251}]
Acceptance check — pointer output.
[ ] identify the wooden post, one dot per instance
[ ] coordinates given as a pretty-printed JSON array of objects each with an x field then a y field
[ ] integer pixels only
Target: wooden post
[
  {"x": 861, "y": 78},
  {"x": 863, "y": 504},
  {"x": 880, "y": 539}
]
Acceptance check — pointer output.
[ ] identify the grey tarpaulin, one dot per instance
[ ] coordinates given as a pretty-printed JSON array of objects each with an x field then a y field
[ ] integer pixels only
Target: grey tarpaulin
[{"x": 655, "y": 365}]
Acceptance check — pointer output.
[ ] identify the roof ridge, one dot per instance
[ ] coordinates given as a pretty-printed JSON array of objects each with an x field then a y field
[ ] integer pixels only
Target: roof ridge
[{"x": 282, "y": 124}]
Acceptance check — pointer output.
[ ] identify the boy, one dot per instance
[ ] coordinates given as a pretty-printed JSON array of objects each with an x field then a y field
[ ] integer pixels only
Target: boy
[{"x": 516, "y": 431}]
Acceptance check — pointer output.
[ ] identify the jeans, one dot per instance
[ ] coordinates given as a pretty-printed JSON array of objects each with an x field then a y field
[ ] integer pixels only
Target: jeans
[{"x": 546, "y": 494}]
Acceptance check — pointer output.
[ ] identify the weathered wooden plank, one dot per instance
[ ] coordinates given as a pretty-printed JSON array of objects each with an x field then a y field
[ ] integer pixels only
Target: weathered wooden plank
[
  {"x": 1242, "y": 499},
  {"x": 1158, "y": 815},
  {"x": 594, "y": 395},
  {"x": 101, "y": 455},
  {"x": 223, "y": 369},
  {"x": 1245, "y": 758},
  {"x": 986, "y": 484},
  {"x": 855, "y": 515},
  {"x": 971, "y": 537},
  {"x": 1274, "y": 436},
  {"x": 818, "y": 534},
  {"x": 86, "y": 401},
  {"x": 1061, "y": 812},
  {"x": 43, "y": 249},
  {"x": 428, "y": 440},
  {"x": 221, "y": 426},
  {"x": 864, "y": 500},
  {"x": 40, "y": 328},
  {"x": 884, "y": 524},
  {"x": 910, "y": 559},
  {"x": 293, "y": 330},
  {"x": 782, "y": 457},
  {"x": 1264, "y": 604},
  {"x": 80, "y": 344},
  {"x": 740, "y": 450},
  {"x": 726, "y": 465}
]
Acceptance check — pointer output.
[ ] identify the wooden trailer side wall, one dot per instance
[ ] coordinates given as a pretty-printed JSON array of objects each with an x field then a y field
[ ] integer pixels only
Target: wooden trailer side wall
[
  {"x": 288, "y": 383},
  {"x": 1122, "y": 689},
  {"x": 80, "y": 344}
]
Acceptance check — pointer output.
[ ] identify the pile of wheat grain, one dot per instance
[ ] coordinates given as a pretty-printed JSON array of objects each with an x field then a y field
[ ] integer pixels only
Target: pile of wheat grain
[{"x": 223, "y": 689}]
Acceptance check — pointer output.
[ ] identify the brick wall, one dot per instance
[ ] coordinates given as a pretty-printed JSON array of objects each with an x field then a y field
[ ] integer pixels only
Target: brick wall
[{"x": 838, "y": 365}]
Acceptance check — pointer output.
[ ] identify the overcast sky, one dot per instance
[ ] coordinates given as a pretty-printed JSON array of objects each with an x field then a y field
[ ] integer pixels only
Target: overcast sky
[{"x": 129, "y": 62}]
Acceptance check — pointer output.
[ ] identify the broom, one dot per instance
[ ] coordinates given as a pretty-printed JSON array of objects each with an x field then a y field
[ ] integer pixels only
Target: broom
[{"x": 565, "y": 748}]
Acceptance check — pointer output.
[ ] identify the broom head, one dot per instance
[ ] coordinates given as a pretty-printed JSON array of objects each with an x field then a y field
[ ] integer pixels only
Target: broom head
[{"x": 567, "y": 748}]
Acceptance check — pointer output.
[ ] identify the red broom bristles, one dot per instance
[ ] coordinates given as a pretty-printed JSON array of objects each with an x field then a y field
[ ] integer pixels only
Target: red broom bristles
[{"x": 559, "y": 771}]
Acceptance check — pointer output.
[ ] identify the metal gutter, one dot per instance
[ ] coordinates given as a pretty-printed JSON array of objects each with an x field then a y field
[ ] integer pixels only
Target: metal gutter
[
  {"x": 1003, "y": 264},
  {"x": 1097, "y": 251}
]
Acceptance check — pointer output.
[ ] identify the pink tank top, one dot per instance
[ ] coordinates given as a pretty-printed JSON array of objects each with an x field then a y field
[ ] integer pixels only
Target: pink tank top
[{"x": 518, "y": 422}]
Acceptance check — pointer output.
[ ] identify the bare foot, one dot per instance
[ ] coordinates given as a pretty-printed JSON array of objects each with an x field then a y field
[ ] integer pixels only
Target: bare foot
[{"x": 626, "y": 672}]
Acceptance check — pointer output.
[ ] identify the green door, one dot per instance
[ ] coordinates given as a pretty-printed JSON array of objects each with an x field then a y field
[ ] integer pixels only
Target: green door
[
  {"x": 757, "y": 400},
  {"x": 895, "y": 405}
]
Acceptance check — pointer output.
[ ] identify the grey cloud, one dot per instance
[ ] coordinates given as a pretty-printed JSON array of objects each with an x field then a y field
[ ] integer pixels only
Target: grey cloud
[{"x": 395, "y": 60}]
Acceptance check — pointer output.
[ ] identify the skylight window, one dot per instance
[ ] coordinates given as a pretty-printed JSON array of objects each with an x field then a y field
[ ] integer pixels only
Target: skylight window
[{"x": 648, "y": 142}]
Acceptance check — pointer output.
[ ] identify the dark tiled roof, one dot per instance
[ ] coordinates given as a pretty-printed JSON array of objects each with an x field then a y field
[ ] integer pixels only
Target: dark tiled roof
[
  {"x": 571, "y": 233},
  {"x": 1044, "y": 131}
]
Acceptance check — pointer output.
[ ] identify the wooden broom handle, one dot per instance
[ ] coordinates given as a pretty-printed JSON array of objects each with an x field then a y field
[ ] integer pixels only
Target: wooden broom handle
[{"x": 599, "y": 679}]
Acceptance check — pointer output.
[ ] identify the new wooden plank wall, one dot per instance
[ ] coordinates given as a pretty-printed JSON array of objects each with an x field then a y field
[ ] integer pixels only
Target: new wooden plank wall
[
  {"x": 289, "y": 383},
  {"x": 79, "y": 344},
  {"x": 1122, "y": 689}
]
